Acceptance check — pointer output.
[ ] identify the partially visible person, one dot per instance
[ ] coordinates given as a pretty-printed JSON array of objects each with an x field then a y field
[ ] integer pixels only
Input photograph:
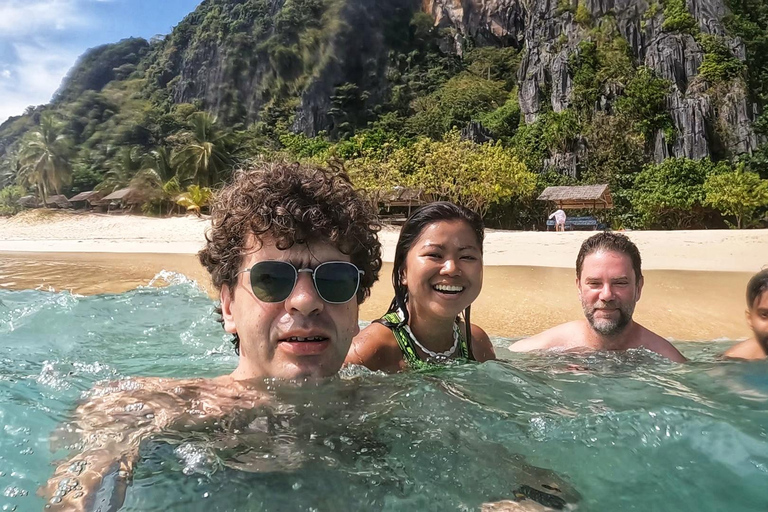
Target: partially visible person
[
  {"x": 560, "y": 219},
  {"x": 755, "y": 347},
  {"x": 609, "y": 281},
  {"x": 293, "y": 251},
  {"x": 437, "y": 274}
]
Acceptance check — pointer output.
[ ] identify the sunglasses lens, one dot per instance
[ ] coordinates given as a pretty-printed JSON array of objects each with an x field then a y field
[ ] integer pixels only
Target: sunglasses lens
[
  {"x": 272, "y": 281},
  {"x": 337, "y": 281}
]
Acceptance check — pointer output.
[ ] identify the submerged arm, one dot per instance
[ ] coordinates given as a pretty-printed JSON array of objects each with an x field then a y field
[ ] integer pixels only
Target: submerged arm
[{"x": 111, "y": 426}]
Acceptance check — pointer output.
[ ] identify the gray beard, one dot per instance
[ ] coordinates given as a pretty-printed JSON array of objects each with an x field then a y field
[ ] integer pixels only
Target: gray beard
[{"x": 605, "y": 326}]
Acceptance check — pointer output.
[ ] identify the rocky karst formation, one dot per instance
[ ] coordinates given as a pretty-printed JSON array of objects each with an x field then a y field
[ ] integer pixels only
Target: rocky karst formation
[{"x": 703, "y": 116}]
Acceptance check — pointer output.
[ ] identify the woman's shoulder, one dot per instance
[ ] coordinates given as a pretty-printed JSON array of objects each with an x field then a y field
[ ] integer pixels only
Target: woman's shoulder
[
  {"x": 482, "y": 348},
  {"x": 376, "y": 348}
]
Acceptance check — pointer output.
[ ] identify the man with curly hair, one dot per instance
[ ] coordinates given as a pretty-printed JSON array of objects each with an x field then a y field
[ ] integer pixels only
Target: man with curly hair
[{"x": 293, "y": 251}]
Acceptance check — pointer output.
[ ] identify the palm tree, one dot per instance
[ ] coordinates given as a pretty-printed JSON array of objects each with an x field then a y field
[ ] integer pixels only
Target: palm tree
[
  {"x": 206, "y": 156},
  {"x": 195, "y": 198},
  {"x": 157, "y": 179},
  {"x": 122, "y": 169},
  {"x": 44, "y": 157}
]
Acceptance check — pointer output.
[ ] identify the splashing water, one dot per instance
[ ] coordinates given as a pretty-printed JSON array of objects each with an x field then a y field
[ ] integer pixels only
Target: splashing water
[{"x": 627, "y": 432}]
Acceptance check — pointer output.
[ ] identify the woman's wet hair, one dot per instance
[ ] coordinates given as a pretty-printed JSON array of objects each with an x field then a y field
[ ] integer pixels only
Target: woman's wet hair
[
  {"x": 441, "y": 211},
  {"x": 288, "y": 204},
  {"x": 756, "y": 287}
]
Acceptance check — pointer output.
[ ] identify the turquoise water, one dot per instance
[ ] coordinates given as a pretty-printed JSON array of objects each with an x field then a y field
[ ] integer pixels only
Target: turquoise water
[{"x": 628, "y": 432}]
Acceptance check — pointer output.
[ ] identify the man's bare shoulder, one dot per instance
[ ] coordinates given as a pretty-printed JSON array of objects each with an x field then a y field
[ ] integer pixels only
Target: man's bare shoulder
[
  {"x": 747, "y": 349},
  {"x": 562, "y": 336},
  {"x": 376, "y": 349},
  {"x": 166, "y": 399},
  {"x": 655, "y": 343}
]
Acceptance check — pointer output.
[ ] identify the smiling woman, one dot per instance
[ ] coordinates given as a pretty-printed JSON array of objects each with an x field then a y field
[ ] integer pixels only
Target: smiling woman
[{"x": 437, "y": 274}]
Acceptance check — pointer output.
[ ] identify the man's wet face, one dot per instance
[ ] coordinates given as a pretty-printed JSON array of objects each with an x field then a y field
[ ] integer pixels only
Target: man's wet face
[
  {"x": 757, "y": 317},
  {"x": 608, "y": 291},
  {"x": 302, "y": 336}
]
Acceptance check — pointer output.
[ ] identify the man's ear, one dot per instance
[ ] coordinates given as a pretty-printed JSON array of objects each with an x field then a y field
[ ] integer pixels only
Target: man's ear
[
  {"x": 227, "y": 299},
  {"x": 749, "y": 319},
  {"x": 578, "y": 287},
  {"x": 640, "y": 284}
]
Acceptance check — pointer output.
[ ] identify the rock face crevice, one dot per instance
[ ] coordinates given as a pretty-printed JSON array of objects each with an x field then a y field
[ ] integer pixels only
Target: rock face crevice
[
  {"x": 237, "y": 81},
  {"x": 706, "y": 119}
]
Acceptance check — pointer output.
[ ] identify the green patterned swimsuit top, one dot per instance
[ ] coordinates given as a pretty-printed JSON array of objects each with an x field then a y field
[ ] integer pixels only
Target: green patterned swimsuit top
[{"x": 408, "y": 342}]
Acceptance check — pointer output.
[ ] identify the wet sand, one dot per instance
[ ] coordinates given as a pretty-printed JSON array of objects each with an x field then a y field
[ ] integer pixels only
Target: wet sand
[{"x": 516, "y": 301}]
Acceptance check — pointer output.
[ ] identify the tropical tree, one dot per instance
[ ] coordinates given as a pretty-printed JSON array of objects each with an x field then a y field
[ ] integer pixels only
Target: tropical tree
[
  {"x": 207, "y": 155},
  {"x": 195, "y": 198},
  {"x": 740, "y": 193},
  {"x": 156, "y": 182},
  {"x": 670, "y": 195},
  {"x": 476, "y": 176},
  {"x": 122, "y": 169},
  {"x": 44, "y": 157}
]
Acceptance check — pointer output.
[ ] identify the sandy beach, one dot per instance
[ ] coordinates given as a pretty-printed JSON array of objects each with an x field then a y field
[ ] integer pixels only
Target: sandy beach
[
  {"x": 694, "y": 280},
  {"x": 705, "y": 250}
]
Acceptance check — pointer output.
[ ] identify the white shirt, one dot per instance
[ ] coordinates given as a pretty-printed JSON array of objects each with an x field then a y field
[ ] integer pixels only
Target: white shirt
[{"x": 559, "y": 216}]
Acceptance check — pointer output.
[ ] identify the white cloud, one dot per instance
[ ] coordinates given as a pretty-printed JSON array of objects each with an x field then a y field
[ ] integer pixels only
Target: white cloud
[
  {"x": 35, "y": 63},
  {"x": 38, "y": 73},
  {"x": 23, "y": 17}
]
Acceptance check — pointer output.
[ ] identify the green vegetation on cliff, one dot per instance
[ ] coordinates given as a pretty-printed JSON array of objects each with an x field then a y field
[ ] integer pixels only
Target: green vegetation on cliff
[{"x": 377, "y": 88}]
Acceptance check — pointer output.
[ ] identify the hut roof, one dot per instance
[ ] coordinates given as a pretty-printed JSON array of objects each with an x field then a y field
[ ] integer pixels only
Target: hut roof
[
  {"x": 404, "y": 196},
  {"x": 119, "y": 195},
  {"x": 84, "y": 196},
  {"x": 596, "y": 197},
  {"x": 59, "y": 201},
  {"x": 28, "y": 202}
]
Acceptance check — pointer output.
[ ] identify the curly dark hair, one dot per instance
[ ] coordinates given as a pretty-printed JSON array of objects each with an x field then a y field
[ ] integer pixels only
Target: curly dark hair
[
  {"x": 615, "y": 242},
  {"x": 290, "y": 204}
]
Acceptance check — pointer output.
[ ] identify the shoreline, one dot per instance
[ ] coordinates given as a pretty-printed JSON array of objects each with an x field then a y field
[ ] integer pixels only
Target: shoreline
[{"x": 73, "y": 232}]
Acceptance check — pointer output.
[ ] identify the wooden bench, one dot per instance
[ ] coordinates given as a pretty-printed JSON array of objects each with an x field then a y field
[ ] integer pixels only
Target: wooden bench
[{"x": 572, "y": 223}]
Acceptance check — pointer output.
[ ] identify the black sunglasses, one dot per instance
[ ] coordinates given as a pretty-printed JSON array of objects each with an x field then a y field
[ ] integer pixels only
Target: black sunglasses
[{"x": 336, "y": 282}]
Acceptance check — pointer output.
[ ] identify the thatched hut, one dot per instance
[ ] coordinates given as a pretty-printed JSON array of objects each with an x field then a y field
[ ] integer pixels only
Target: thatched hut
[
  {"x": 58, "y": 201},
  {"x": 28, "y": 202},
  {"x": 86, "y": 200},
  {"x": 125, "y": 198},
  {"x": 399, "y": 201},
  {"x": 583, "y": 197}
]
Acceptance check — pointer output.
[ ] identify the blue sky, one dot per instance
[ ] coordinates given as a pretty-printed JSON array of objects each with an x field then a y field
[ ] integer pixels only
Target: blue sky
[{"x": 40, "y": 40}]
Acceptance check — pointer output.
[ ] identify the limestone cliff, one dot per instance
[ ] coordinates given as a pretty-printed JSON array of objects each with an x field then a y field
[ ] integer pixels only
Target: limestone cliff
[{"x": 704, "y": 116}]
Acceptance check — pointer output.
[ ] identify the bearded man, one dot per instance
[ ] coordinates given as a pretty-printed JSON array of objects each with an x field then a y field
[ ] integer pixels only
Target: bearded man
[{"x": 609, "y": 281}]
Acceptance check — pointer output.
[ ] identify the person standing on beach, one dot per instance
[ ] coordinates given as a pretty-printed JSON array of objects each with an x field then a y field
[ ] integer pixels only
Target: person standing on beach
[
  {"x": 609, "y": 281},
  {"x": 755, "y": 347},
  {"x": 437, "y": 274},
  {"x": 560, "y": 219},
  {"x": 293, "y": 251}
]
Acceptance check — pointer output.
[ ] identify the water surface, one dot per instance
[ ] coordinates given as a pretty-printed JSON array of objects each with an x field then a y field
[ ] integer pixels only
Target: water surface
[
  {"x": 515, "y": 301},
  {"x": 627, "y": 432}
]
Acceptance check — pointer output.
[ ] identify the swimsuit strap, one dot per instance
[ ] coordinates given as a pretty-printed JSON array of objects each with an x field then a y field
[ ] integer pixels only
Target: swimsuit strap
[{"x": 407, "y": 346}]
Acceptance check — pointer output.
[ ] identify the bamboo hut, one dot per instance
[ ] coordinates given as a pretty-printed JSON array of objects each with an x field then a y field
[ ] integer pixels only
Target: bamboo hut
[
  {"x": 123, "y": 199},
  {"x": 28, "y": 202},
  {"x": 58, "y": 201},
  {"x": 86, "y": 200},
  {"x": 583, "y": 197},
  {"x": 400, "y": 201}
]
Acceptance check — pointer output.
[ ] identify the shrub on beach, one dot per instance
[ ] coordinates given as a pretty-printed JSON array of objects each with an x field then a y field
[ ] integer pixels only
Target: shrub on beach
[{"x": 9, "y": 200}]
